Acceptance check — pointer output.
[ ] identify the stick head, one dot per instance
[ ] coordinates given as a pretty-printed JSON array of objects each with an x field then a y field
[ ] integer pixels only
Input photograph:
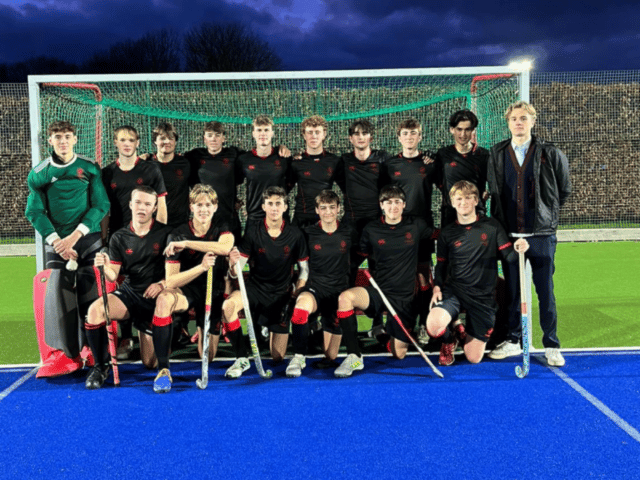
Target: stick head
[
  {"x": 522, "y": 372},
  {"x": 202, "y": 384}
]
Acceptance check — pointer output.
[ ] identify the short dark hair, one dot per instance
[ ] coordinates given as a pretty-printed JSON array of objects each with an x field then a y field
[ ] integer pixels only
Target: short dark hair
[
  {"x": 391, "y": 191},
  {"x": 274, "y": 191},
  {"x": 164, "y": 128},
  {"x": 409, "y": 124},
  {"x": 327, "y": 196},
  {"x": 61, "y": 126},
  {"x": 363, "y": 125},
  {"x": 216, "y": 127},
  {"x": 463, "y": 116}
]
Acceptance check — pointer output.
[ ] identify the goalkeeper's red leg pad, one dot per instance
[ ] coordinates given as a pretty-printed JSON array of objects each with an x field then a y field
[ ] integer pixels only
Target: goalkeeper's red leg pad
[{"x": 58, "y": 364}]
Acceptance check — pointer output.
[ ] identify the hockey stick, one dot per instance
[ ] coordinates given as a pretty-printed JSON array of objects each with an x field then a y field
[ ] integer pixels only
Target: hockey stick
[
  {"x": 395, "y": 316},
  {"x": 522, "y": 372},
  {"x": 252, "y": 333},
  {"x": 202, "y": 382},
  {"x": 112, "y": 329}
]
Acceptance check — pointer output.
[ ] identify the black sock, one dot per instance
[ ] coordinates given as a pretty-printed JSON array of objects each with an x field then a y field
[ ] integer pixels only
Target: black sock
[
  {"x": 349, "y": 326},
  {"x": 236, "y": 338},
  {"x": 126, "y": 329},
  {"x": 300, "y": 334},
  {"x": 162, "y": 344},
  {"x": 97, "y": 339}
]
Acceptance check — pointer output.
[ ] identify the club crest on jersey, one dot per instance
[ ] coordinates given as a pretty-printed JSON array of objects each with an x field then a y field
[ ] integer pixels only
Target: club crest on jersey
[
  {"x": 457, "y": 244},
  {"x": 453, "y": 164},
  {"x": 278, "y": 165},
  {"x": 343, "y": 246},
  {"x": 128, "y": 251},
  {"x": 397, "y": 174},
  {"x": 352, "y": 168},
  {"x": 252, "y": 167},
  {"x": 330, "y": 171},
  {"x": 317, "y": 247},
  {"x": 179, "y": 173},
  {"x": 286, "y": 250},
  {"x": 261, "y": 250},
  {"x": 113, "y": 186},
  {"x": 374, "y": 167},
  {"x": 381, "y": 241},
  {"x": 225, "y": 161},
  {"x": 307, "y": 174},
  {"x": 139, "y": 181},
  {"x": 484, "y": 242},
  {"x": 203, "y": 161},
  {"x": 156, "y": 248},
  {"x": 408, "y": 239},
  {"x": 80, "y": 173}
]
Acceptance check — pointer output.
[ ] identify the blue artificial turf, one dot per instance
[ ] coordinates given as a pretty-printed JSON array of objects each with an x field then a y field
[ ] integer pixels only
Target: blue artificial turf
[{"x": 392, "y": 420}]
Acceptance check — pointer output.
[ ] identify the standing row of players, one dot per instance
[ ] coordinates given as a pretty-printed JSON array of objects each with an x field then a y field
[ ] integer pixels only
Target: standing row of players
[{"x": 360, "y": 177}]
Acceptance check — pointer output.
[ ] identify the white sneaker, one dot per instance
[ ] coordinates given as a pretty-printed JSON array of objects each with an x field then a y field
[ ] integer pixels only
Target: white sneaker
[
  {"x": 554, "y": 357},
  {"x": 504, "y": 350},
  {"x": 350, "y": 364},
  {"x": 240, "y": 366},
  {"x": 123, "y": 352},
  {"x": 296, "y": 365}
]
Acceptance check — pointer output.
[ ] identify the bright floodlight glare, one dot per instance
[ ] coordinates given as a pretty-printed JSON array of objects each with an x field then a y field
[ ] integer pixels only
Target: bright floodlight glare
[{"x": 521, "y": 65}]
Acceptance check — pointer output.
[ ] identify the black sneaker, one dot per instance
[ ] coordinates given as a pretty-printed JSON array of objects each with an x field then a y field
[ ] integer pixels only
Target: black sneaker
[
  {"x": 97, "y": 376},
  {"x": 325, "y": 363}
]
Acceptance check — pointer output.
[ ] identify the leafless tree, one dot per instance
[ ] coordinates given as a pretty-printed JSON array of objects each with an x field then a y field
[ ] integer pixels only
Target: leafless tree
[
  {"x": 155, "y": 52},
  {"x": 228, "y": 47}
]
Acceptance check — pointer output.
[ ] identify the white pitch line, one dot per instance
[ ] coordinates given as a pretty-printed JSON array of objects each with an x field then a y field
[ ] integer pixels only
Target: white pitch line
[
  {"x": 17, "y": 383},
  {"x": 610, "y": 414}
]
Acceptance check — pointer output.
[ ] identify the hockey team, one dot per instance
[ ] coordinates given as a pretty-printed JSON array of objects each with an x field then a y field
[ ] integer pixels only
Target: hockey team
[{"x": 166, "y": 219}]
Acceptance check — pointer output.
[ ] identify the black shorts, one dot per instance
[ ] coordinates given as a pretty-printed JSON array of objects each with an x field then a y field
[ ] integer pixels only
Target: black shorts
[
  {"x": 481, "y": 313},
  {"x": 196, "y": 298},
  {"x": 327, "y": 303},
  {"x": 267, "y": 309},
  {"x": 140, "y": 308},
  {"x": 407, "y": 311}
]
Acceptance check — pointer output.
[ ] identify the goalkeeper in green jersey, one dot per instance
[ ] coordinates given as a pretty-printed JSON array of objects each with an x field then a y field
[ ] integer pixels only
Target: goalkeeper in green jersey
[{"x": 66, "y": 203}]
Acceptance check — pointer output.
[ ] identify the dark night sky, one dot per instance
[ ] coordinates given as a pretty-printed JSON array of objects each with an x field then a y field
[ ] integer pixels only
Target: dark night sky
[{"x": 346, "y": 34}]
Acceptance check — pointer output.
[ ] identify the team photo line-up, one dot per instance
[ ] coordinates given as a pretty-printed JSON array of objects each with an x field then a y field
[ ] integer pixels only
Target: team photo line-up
[{"x": 159, "y": 238}]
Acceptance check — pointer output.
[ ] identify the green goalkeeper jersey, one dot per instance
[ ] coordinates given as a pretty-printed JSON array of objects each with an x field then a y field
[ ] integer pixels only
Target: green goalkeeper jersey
[{"x": 66, "y": 197}]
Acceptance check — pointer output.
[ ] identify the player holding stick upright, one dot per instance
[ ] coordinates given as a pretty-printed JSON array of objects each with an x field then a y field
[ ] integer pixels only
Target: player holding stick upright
[
  {"x": 66, "y": 204},
  {"x": 467, "y": 274},
  {"x": 316, "y": 170},
  {"x": 135, "y": 250},
  {"x": 392, "y": 242},
  {"x": 191, "y": 251},
  {"x": 529, "y": 182},
  {"x": 272, "y": 247},
  {"x": 330, "y": 243}
]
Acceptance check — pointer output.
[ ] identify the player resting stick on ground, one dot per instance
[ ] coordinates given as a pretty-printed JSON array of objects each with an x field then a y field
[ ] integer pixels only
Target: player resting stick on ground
[
  {"x": 272, "y": 247},
  {"x": 136, "y": 251},
  {"x": 466, "y": 275},
  {"x": 392, "y": 242}
]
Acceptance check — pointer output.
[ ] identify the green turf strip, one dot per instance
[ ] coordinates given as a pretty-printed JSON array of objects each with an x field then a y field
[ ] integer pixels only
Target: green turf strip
[{"x": 596, "y": 287}]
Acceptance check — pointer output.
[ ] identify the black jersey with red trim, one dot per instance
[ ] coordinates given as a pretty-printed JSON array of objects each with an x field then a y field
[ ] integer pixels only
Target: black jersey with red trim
[
  {"x": 393, "y": 250},
  {"x": 329, "y": 256},
  {"x": 362, "y": 184},
  {"x": 416, "y": 180},
  {"x": 262, "y": 172},
  {"x": 141, "y": 258},
  {"x": 176, "y": 175},
  {"x": 455, "y": 166},
  {"x": 271, "y": 260},
  {"x": 468, "y": 255},
  {"x": 119, "y": 185},
  {"x": 221, "y": 172},
  {"x": 312, "y": 174},
  {"x": 188, "y": 258}
]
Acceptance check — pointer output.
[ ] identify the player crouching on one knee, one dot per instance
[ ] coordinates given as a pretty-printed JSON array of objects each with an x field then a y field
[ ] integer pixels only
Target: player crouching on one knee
[
  {"x": 391, "y": 243},
  {"x": 273, "y": 246},
  {"x": 136, "y": 251},
  {"x": 191, "y": 251},
  {"x": 466, "y": 276}
]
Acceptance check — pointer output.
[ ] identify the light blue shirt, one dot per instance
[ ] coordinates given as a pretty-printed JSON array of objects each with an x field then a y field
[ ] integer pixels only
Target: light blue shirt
[{"x": 521, "y": 151}]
